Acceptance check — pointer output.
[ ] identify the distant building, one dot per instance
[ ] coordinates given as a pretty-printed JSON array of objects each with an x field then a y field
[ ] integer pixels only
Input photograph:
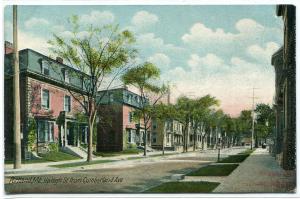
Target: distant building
[
  {"x": 167, "y": 134},
  {"x": 198, "y": 137},
  {"x": 284, "y": 62},
  {"x": 117, "y": 129},
  {"x": 45, "y": 102}
]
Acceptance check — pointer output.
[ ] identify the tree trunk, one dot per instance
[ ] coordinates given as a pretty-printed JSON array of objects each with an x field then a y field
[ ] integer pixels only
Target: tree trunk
[
  {"x": 163, "y": 141},
  {"x": 202, "y": 141},
  {"x": 194, "y": 147},
  {"x": 145, "y": 137},
  {"x": 90, "y": 140},
  {"x": 184, "y": 138}
]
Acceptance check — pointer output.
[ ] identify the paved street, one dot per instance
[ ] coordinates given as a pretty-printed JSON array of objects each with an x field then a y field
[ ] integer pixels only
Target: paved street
[{"x": 127, "y": 176}]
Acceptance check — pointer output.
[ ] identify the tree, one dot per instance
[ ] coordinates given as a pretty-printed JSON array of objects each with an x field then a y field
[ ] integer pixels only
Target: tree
[
  {"x": 265, "y": 122},
  {"x": 144, "y": 77},
  {"x": 101, "y": 55},
  {"x": 164, "y": 113},
  {"x": 183, "y": 107},
  {"x": 200, "y": 110}
]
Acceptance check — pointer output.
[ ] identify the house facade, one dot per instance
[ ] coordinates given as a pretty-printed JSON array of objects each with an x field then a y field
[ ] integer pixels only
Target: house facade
[
  {"x": 284, "y": 62},
  {"x": 48, "y": 110},
  {"x": 167, "y": 134},
  {"x": 117, "y": 127}
]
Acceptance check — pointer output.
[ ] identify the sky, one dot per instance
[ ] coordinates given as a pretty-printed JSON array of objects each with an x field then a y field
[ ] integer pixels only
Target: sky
[{"x": 223, "y": 51}]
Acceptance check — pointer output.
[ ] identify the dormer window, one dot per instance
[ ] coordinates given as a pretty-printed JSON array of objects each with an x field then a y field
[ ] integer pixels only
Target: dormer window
[
  {"x": 45, "y": 67},
  {"x": 66, "y": 75}
]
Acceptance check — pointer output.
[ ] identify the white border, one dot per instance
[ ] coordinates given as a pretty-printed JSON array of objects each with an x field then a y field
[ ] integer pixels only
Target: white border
[{"x": 145, "y": 2}]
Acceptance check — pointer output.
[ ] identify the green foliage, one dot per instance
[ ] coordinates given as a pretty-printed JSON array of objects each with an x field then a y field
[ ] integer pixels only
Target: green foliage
[
  {"x": 235, "y": 158},
  {"x": 215, "y": 170},
  {"x": 102, "y": 53},
  {"x": 53, "y": 147},
  {"x": 81, "y": 117},
  {"x": 131, "y": 146},
  {"x": 142, "y": 77},
  {"x": 32, "y": 133},
  {"x": 55, "y": 156},
  {"x": 265, "y": 120}
]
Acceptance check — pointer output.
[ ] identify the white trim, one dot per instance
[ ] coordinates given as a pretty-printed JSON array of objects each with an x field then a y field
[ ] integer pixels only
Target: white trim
[
  {"x": 65, "y": 103},
  {"x": 41, "y": 93},
  {"x": 66, "y": 72},
  {"x": 44, "y": 65}
]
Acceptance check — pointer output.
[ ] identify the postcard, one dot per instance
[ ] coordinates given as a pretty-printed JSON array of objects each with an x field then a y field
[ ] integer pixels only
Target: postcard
[{"x": 165, "y": 99}]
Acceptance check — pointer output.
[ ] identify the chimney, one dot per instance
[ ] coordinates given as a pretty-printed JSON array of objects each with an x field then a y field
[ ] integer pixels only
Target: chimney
[
  {"x": 8, "y": 47},
  {"x": 59, "y": 60}
]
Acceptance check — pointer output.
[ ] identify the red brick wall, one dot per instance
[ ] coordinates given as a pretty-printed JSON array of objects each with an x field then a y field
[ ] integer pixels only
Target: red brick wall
[
  {"x": 126, "y": 124},
  {"x": 56, "y": 101}
]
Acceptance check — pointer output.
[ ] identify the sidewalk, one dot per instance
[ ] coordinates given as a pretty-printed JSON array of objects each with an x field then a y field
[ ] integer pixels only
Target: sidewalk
[{"x": 259, "y": 173}]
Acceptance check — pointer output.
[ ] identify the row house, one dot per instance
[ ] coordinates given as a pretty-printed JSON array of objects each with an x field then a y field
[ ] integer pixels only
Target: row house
[
  {"x": 117, "y": 127},
  {"x": 168, "y": 134},
  {"x": 284, "y": 62},
  {"x": 45, "y": 101},
  {"x": 196, "y": 138}
]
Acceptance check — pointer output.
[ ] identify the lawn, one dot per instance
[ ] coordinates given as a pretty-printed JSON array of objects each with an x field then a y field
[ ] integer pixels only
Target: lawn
[
  {"x": 124, "y": 152},
  {"x": 156, "y": 155},
  {"x": 248, "y": 151},
  {"x": 184, "y": 187},
  {"x": 240, "y": 157},
  {"x": 58, "y": 156},
  {"x": 48, "y": 157},
  {"x": 135, "y": 158},
  {"x": 84, "y": 163},
  {"x": 214, "y": 170},
  {"x": 234, "y": 158}
]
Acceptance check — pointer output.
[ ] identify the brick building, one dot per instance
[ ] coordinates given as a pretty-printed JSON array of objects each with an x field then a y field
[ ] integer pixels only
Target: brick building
[
  {"x": 284, "y": 62},
  {"x": 117, "y": 129},
  {"x": 45, "y": 102}
]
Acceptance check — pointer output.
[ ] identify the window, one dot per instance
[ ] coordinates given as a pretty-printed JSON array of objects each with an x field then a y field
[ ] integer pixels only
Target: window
[
  {"x": 154, "y": 137},
  {"x": 130, "y": 117},
  {"x": 154, "y": 126},
  {"x": 45, "y": 131},
  {"x": 45, "y": 99},
  {"x": 45, "y": 67},
  {"x": 131, "y": 136},
  {"x": 67, "y": 103},
  {"x": 66, "y": 76},
  {"x": 129, "y": 98}
]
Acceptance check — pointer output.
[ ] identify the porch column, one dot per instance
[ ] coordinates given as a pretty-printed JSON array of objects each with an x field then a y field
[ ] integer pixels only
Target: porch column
[
  {"x": 85, "y": 135},
  {"x": 78, "y": 134},
  {"x": 65, "y": 133},
  {"x": 61, "y": 134}
]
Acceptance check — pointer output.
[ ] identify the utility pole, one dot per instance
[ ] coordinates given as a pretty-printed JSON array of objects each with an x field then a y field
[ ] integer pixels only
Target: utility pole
[
  {"x": 16, "y": 89},
  {"x": 252, "y": 132}
]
